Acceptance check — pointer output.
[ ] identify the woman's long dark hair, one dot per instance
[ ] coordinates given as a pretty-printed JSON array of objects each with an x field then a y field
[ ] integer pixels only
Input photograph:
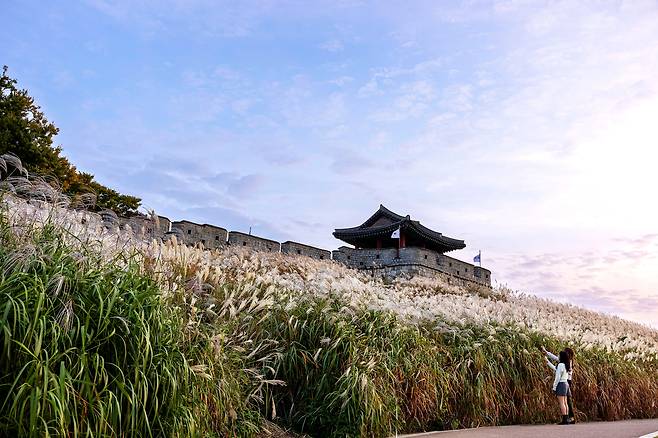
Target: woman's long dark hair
[
  {"x": 565, "y": 359},
  {"x": 570, "y": 352}
]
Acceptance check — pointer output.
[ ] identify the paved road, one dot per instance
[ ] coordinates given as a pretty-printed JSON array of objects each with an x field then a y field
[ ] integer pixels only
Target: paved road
[{"x": 603, "y": 429}]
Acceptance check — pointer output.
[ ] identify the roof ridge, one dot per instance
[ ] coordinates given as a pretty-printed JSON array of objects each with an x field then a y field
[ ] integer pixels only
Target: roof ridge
[{"x": 405, "y": 222}]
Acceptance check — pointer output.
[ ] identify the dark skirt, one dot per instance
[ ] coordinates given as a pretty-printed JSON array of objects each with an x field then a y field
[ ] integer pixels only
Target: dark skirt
[{"x": 562, "y": 389}]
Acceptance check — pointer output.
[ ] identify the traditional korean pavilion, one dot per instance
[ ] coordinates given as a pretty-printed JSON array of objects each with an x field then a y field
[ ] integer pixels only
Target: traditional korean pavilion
[
  {"x": 417, "y": 251},
  {"x": 376, "y": 233}
]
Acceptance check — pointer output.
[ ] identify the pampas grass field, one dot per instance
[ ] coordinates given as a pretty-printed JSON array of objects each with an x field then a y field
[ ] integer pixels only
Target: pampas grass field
[{"x": 104, "y": 333}]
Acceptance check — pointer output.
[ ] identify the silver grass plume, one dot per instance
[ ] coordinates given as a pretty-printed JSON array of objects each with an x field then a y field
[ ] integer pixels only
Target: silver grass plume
[{"x": 11, "y": 165}]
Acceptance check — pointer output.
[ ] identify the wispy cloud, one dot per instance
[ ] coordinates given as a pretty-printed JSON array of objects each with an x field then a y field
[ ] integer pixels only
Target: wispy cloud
[
  {"x": 201, "y": 17},
  {"x": 333, "y": 45},
  {"x": 609, "y": 278}
]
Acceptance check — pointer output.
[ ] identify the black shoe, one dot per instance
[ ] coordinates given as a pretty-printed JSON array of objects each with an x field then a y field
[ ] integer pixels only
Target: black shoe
[{"x": 565, "y": 420}]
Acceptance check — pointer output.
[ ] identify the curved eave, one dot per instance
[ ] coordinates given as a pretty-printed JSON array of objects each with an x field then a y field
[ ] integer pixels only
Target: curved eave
[
  {"x": 358, "y": 232},
  {"x": 438, "y": 237},
  {"x": 353, "y": 235}
]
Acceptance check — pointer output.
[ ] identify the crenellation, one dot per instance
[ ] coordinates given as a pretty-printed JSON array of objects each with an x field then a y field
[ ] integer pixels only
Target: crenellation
[
  {"x": 143, "y": 226},
  {"x": 290, "y": 247},
  {"x": 210, "y": 236},
  {"x": 248, "y": 241},
  {"x": 162, "y": 225}
]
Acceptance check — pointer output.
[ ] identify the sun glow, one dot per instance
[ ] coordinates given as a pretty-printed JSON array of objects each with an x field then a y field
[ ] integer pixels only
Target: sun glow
[{"x": 610, "y": 184}]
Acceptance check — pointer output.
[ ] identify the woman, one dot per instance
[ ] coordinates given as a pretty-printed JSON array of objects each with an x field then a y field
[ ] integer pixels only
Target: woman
[
  {"x": 561, "y": 384},
  {"x": 571, "y": 354},
  {"x": 551, "y": 357}
]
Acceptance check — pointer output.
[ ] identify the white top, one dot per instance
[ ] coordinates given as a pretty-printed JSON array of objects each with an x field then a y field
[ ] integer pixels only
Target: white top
[
  {"x": 550, "y": 357},
  {"x": 561, "y": 375}
]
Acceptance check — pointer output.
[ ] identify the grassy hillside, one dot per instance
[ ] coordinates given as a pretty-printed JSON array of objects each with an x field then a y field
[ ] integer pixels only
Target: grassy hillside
[{"x": 105, "y": 333}]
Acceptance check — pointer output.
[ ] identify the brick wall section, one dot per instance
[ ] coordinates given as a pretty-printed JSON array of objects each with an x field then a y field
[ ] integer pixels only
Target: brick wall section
[
  {"x": 141, "y": 226},
  {"x": 163, "y": 226},
  {"x": 209, "y": 236},
  {"x": 391, "y": 272},
  {"x": 243, "y": 240},
  {"x": 145, "y": 227},
  {"x": 388, "y": 257},
  {"x": 290, "y": 247},
  {"x": 110, "y": 219},
  {"x": 175, "y": 232}
]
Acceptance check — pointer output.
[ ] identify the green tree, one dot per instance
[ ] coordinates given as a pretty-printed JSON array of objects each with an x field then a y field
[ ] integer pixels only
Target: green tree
[{"x": 26, "y": 133}]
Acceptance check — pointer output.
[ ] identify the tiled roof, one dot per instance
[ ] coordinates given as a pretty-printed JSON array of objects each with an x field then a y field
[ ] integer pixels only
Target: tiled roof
[{"x": 393, "y": 221}]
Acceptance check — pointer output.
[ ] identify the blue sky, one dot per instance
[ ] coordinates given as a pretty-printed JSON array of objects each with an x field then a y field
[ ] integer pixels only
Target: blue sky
[{"x": 526, "y": 128}]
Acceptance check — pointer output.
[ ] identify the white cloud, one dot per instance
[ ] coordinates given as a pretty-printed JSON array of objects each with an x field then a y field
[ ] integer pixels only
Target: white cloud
[
  {"x": 201, "y": 17},
  {"x": 342, "y": 81},
  {"x": 333, "y": 45}
]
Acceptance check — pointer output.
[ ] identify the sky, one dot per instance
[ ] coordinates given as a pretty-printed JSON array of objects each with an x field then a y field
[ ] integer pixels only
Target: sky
[{"x": 527, "y": 128}]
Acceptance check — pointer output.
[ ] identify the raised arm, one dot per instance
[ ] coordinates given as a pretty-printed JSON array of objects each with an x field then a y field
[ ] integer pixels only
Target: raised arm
[
  {"x": 558, "y": 372},
  {"x": 550, "y": 364},
  {"x": 550, "y": 355}
]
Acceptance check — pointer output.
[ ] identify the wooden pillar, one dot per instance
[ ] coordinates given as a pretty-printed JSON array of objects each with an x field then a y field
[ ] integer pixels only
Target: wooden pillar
[
  {"x": 379, "y": 243},
  {"x": 402, "y": 241}
]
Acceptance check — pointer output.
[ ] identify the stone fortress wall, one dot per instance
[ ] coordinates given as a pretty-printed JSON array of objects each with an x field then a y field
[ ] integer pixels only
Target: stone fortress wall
[
  {"x": 290, "y": 247},
  {"x": 236, "y": 238},
  {"x": 190, "y": 233},
  {"x": 383, "y": 262},
  {"x": 386, "y": 262},
  {"x": 211, "y": 236}
]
